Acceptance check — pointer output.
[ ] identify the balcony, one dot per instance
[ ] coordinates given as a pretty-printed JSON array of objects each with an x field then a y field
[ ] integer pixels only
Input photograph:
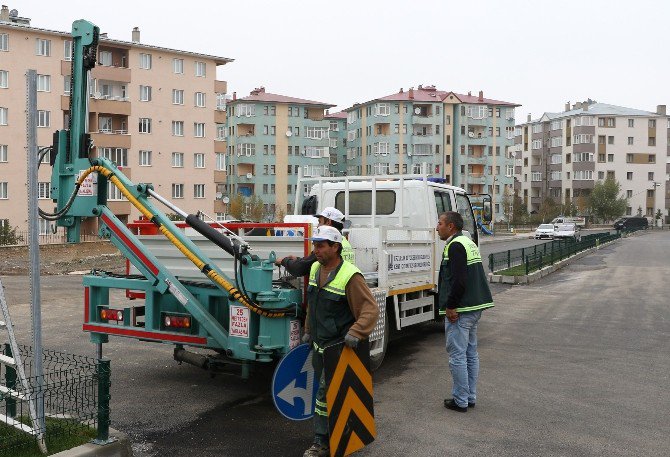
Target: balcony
[
  {"x": 112, "y": 139},
  {"x": 246, "y": 130},
  {"x": 424, "y": 139},
  {"x": 220, "y": 176},
  {"x": 382, "y": 129},
  {"x": 476, "y": 178},
  {"x": 246, "y": 171},
  {"x": 476, "y": 159}
]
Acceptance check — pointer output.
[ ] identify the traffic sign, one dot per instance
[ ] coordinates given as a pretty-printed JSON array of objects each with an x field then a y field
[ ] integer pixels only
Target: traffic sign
[
  {"x": 294, "y": 385},
  {"x": 351, "y": 417}
]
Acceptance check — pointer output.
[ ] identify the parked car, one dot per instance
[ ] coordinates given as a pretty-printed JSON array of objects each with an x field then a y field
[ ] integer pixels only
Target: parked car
[
  {"x": 567, "y": 231},
  {"x": 631, "y": 223},
  {"x": 544, "y": 231}
]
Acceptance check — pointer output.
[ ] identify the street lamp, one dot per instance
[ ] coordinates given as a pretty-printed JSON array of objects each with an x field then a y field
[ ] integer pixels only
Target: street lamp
[{"x": 654, "y": 185}]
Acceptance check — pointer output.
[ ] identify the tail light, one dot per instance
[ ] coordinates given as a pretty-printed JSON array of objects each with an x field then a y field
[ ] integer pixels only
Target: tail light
[
  {"x": 111, "y": 314},
  {"x": 173, "y": 321}
]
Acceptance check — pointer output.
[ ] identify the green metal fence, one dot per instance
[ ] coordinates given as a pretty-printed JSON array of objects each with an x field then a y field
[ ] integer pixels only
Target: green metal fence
[
  {"x": 74, "y": 391},
  {"x": 506, "y": 260}
]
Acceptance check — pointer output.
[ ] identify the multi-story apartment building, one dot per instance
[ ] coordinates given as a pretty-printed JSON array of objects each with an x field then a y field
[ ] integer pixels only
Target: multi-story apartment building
[
  {"x": 158, "y": 113},
  {"x": 563, "y": 155},
  {"x": 461, "y": 138},
  {"x": 271, "y": 137},
  {"x": 338, "y": 142}
]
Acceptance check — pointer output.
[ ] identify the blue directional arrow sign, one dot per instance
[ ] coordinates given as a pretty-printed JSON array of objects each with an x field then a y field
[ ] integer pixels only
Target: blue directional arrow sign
[{"x": 294, "y": 385}]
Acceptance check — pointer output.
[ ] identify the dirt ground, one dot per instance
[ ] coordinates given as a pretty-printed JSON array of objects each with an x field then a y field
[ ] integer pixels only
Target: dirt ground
[{"x": 59, "y": 259}]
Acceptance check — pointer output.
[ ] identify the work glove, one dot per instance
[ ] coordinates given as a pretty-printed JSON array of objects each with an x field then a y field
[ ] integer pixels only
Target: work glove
[
  {"x": 307, "y": 338},
  {"x": 351, "y": 340}
]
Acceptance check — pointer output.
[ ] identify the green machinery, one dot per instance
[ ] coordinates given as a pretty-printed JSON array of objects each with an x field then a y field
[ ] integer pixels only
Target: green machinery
[{"x": 246, "y": 320}]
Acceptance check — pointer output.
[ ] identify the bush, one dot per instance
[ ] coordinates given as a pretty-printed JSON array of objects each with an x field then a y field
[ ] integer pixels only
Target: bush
[{"x": 8, "y": 235}]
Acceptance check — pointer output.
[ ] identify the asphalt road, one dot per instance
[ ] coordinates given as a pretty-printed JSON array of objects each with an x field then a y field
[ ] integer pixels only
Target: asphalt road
[{"x": 575, "y": 364}]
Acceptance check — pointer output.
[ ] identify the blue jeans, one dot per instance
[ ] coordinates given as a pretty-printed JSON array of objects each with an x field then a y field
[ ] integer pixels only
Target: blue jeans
[{"x": 463, "y": 356}]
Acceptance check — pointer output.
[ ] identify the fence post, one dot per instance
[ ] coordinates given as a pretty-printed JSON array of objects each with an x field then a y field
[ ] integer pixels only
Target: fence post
[
  {"x": 10, "y": 382},
  {"x": 526, "y": 259},
  {"x": 104, "y": 383},
  {"x": 509, "y": 258},
  {"x": 491, "y": 262}
]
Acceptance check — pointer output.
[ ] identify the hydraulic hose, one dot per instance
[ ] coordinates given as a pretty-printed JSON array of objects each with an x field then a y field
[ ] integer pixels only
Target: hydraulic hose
[{"x": 199, "y": 263}]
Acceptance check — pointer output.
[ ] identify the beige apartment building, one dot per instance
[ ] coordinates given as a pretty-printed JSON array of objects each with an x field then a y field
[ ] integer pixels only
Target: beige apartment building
[
  {"x": 158, "y": 113},
  {"x": 562, "y": 155}
]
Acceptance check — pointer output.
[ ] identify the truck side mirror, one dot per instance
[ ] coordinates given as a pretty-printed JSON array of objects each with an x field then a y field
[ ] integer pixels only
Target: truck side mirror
[{"x": 487, "y": 209}]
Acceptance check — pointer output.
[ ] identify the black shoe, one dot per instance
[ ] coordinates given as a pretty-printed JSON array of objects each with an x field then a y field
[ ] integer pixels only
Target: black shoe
[
  {"x": 449, "y": 403},
  {"x": 471, "y": 405}
]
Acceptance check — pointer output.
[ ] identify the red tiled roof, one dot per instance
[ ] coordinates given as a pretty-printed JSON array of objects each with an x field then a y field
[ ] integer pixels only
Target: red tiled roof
[
  {"x": 338, "y": 115},
  {"x": 434, "y": 95},
  {"x": 262, "y": 96}
]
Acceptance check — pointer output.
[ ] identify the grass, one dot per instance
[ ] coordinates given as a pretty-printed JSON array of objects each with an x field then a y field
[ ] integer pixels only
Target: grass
[{"x": 62, "y": 434}]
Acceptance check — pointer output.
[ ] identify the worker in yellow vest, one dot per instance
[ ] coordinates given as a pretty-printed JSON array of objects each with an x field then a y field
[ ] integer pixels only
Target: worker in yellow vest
[{"x": 300, "y": 266}]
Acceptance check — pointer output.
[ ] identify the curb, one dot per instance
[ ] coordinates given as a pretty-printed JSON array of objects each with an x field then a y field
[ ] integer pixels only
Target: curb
[
  {"x": 503, "y": 238},
  {"x": 534, "y": 276},
  {"x": 118, "y": 448}
]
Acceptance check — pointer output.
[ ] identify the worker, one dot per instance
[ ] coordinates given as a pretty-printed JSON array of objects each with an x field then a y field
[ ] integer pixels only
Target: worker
[
  {"x": 463, "y": 294},
  {"x": 340, "y": 307},
  {"x": 300, "y": 266}
]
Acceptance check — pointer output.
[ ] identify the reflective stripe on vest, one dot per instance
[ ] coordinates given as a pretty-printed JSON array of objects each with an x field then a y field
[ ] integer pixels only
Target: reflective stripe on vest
[{"x": 339, "y": 282}]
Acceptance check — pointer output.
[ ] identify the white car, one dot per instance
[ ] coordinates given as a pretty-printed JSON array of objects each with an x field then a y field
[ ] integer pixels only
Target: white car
[
  {"x": 544, "y": 231},
  {"x": 567, "y": 231}
]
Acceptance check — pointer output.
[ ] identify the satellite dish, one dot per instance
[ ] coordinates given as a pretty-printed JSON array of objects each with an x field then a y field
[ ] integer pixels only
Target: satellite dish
[
  {"x": 289, "y": 133},
  {"x": 249, "y": 176},
  {"x": 226, "y": 200},
  {"x": 471, "y": 134},
  {"x": 417, "y": 110},
  {"x": 14, "y": 13}
]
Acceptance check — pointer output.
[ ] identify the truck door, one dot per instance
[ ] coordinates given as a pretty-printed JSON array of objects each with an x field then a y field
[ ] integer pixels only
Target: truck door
[{"x": 464, "y": 208}]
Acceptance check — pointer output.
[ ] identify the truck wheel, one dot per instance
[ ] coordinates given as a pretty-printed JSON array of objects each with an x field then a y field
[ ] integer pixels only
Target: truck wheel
[{"x": 378, "y": 347}]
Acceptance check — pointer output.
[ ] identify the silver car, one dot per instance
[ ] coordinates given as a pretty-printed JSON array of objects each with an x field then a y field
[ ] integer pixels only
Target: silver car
[
  {"x": 544, "y": 231},
  {"x": 567, "y": 231}
]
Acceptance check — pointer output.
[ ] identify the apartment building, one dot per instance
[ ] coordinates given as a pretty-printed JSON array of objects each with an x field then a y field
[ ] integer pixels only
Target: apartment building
[
  {"x": 338, "y": 142},
  {"x": 461, "y": 138},
  {"x": 158, "y": 113},
  {"x": 270, "y": 138},
  {"x": 562, "y": 155}
]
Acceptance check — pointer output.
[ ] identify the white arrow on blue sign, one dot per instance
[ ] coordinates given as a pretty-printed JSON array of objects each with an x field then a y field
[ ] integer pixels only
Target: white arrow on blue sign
[{"x": 293, "y": 384}]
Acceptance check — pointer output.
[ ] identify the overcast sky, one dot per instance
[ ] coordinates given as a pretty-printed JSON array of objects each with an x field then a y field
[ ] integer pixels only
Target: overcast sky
[{"x": 538, "y": 54}]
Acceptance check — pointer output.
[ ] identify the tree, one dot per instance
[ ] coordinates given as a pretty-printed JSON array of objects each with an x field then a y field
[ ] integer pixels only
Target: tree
[
  {"x": 8, "y": 235},
  {"x": 507, "y": 205},
  {"x": 236, "y": 206},
  {"x": 279, "y": 215},
  {"x": 659, "y": 216},
  {"x": 256, "y": 208},
  {"x": 639, "y": 211},
  {"x": 549, "y": 209},
  {"x": 519, "y": 209},
  {"x": 605, "y": 202}
]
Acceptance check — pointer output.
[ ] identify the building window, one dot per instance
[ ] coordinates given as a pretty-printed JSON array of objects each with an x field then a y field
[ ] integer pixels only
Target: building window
[
  {"x": 220, "y": 161},
  {"x": 4, "y": 114},
  {"x": 601, "y": 174},
  {"x": 177, "y": 191},
  {"x": 43, "y": 83},
  {"x": 177, "y": 160},
  {"x": 117, "y": 155},
  {"x": 43, "y": 118},
  {"x": 316, "y": 133},
  {"x": 650, "y": 176},
  {"x": 4, "y": 42},
  {"x": 629, "y": 193},
  {"x": 178, "y": 128},
  {"x": 43, "y": 190},
  {"x": 177, "y": 97},
  {"x": 631, "y": 122},
  {"x": 246, "y": 110},
  {"x": 652, "y": 123},
  {"x": 382, "y": 109},
  {"x": 198, "y": 191},
  {"x": 3, "y": 153},
  {"x": 610, "y": 157},
  {"x": 199, "y": 129},
  {"x": 42, "y": 47},
  {"x": 145, "y": 93},
  {"x": 4, "y": 79},
  {"x": 145, "y": 61},
  {"x": 629, "y": 176},
  {"x": 200, "y": 69},
  {"x": 629, "y": 158},
  {"x": 630, "y": 138},
  {"x": 145, "y": 158},
  {"x": 105, "y": 58},
  {"x": 198, "y": 160},
  {"x": 178, "y": 66},
  {"x": 4, "y": 192},
  {"x": 652, "y": 141},
  {"x": 583, "y": 175},
  {"x": 145, "y": 125},
  {"x": 652, "y": 158},
  {"x": 200, "y": 99},
  {"x": 610, "y": 140},
  {"x": 220, "y": 132}
]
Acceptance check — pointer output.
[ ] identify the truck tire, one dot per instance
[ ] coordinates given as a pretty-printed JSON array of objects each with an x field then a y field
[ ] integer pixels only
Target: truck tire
[{"x": 376, "y": 360}]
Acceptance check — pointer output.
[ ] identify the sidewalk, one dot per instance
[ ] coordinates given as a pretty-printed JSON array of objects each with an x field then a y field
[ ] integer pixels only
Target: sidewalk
[{"x": 504, "y": 236}]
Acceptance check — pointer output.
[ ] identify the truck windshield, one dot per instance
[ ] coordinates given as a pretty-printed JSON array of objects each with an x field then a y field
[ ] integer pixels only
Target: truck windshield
[{"x": 360, "y": 202}]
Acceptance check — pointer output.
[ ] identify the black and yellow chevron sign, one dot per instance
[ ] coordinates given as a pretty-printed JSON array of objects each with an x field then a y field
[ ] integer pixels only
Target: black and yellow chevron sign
[{"x": 351, "y": 418}]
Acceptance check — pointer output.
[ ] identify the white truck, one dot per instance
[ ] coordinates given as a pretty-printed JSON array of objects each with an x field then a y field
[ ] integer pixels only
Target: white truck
[{"x": 392, "y": 232}]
